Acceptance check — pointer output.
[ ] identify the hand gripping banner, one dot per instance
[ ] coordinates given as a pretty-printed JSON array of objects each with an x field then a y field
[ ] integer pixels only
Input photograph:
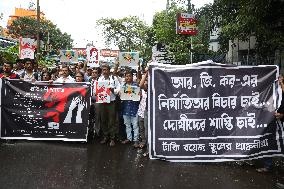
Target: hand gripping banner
[
  {"x": 39, "y": 111},
  {"x": 213, "y": 112}
]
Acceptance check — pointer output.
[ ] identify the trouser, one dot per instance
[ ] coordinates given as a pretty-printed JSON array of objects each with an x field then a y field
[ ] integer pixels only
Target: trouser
[
  {"x": 142, "y": 130},
  {"x": 268, "y": 162},
  {"x": 91, "y": 127},
  {"x": 121, "y": 133},
  {"x": 146, "y": 125},
  {"x": 97, "y": 118},
  {"x": 108, "y": 125},
  {"x": 128, "y": 121}
]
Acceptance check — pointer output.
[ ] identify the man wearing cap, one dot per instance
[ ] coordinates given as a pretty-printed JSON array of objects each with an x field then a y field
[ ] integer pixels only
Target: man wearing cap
[
  {"x": 107, "y": 110},
  {"x": 7, "y": 71}
]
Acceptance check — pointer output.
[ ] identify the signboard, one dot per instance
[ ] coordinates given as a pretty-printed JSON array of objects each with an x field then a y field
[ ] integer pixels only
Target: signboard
[
  {"x": 27, "y": 48},
  {"x": 130, "y": 59},
  {"x": 68, "y": 56},
  {"x": 130, "y": 92},
  {"x": 102, "y": 92},
  {"x": 92, "y": 56},
  {"x": 81, "y": 51},
  {"x": 213, "y": 112},
  {"x": 186, "y": 24},
  {"x": 161, "y": 54},
  {"x": 39, "y": 111},
  {"x": 109, "y": 53}
]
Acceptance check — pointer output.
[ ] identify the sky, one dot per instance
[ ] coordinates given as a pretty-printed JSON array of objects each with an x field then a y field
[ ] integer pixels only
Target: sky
[{"x": 78, "y": 18}]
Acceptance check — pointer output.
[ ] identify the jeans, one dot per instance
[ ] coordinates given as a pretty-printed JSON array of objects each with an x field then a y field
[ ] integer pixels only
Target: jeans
[{"x": 128, "y": 120}]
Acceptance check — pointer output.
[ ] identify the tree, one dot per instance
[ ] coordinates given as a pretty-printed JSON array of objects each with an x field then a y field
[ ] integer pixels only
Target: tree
[
  {"x": 26, "y": 27},
  {"x": 1, "y": 28},
  {"x": 241, "y": 19},
  {"x": 9, "y": 54},
  {"x": 128, "y": 33},
  {"x": 164, "y": 26}
]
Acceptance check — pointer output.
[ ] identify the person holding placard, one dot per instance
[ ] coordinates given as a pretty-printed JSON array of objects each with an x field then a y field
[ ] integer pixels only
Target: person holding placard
[
  {"x": 129, "y": 111},
  {"x": 107, "y": 110}
]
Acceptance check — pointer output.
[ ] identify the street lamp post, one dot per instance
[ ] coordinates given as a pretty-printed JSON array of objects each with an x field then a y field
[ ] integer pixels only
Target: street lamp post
[
  {"x": 38, "y": 29},
  {"x": 189, "y": 9}
]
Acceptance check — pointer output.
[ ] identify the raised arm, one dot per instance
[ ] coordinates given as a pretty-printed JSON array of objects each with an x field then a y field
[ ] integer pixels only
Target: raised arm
[{"x": 144, "y": 77}]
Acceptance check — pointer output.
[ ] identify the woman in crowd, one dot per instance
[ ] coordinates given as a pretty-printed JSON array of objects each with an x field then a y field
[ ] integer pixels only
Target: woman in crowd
[
  {"x": 54, "y": 74},
  {"x": 46, "y": 76},
  {"x": 79, "y": 77}
]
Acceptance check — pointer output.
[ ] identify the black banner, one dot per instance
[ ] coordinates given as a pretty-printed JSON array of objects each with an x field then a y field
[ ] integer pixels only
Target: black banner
[
  {"x": 213, "y": 112},
  {"x": 40, "y": 111}
]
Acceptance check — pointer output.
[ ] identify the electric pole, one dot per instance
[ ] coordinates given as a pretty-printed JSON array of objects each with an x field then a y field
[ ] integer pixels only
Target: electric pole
[
  {"x": 188, "y": 6},
  {"x": 168, "y": 5},
  {"x": 189, "y": 10},
  {"x": 38, "y": 30}
]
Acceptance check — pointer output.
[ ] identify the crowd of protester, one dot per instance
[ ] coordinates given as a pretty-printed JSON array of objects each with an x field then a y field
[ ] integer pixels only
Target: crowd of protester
[{"x": 117, "y": 121}]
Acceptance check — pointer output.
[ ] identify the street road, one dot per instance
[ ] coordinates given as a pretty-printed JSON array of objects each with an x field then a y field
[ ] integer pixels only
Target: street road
[{"x": 70, "y": 165}]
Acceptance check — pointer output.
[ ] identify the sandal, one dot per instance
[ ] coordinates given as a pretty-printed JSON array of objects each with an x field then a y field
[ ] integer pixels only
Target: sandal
[
  {"x": 125, "y": 141},
  {"x": 146, "y": 154},
  {"x": 136, "y": 145},
  {"x": 141, "y": 145}
]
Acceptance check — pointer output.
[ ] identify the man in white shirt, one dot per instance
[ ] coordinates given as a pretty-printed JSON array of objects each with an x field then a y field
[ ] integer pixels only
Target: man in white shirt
[
  {"x": 107, "y": 110},
  {"x": 20, "y": 68},
  {"x": 65, "y": 78},
  {"x": 29, "y": 74}
]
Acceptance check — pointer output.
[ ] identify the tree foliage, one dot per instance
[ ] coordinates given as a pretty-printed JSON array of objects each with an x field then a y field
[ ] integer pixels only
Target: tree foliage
[
  {"x": 27, "y": 27},
  {"x": 128, "y": 33},
  {"x": 1, "y": 28},
  {"x": 9, "y": 54},
  {"x": 164, "y": 26},
  {"x": 240, "y": 19}
]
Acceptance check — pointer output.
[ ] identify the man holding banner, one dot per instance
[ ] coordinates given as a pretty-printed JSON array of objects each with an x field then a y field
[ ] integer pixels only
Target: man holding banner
[
  {"x": 29, "y": 74},
  {"x": 279, "y": 114},
  {"x": 65, "y": 78},
  {"x": 7, "y": 71}
]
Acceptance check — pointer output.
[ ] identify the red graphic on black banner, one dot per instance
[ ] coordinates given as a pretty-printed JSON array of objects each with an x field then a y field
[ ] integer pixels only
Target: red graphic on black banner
[
  {"x": 57, "y": 102},
  {"x": 43, "y": 111}
]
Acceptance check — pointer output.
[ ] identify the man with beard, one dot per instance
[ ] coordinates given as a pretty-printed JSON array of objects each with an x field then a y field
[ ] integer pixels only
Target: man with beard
[
  {"x": 20, "y": 67},
  {"x": 65, "y": 78},
  {"x": 7, "y": 71},
  {"x": 29, "y": 74}
]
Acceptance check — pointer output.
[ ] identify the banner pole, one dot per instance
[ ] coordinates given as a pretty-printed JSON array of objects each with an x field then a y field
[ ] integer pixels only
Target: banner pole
[{"x": 191, "y": 48}]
